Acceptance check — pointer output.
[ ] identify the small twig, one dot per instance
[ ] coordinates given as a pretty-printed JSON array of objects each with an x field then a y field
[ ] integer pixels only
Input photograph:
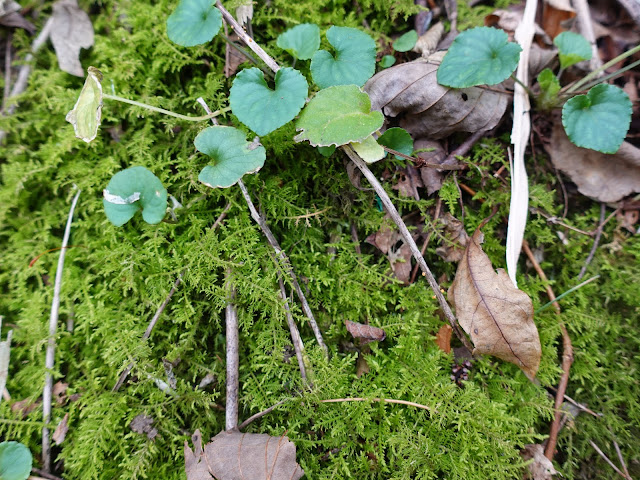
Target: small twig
[
  {"x": 395, "y": 216},
  {"x": 44, "y": 474},
  {"x": 622, "y": 462},
  {"x": 596, "y": 241},
  {"x": 233, "y": 359},
  {"x": 436, "y": 215},
  {"x": 7, "y": 71},
  {"x": 298, "y": 346},
  {"x": 47, "y": 391},
  {"x": 606, "y": 459},
  {"x": 355, "y": 239},
  {"x": 385, "y": 400},
  {"x": 421, "y": 163},
  {"x": 579, "y": 405},
  {"x": 264, "y": 412},
  {"x": 464, "y": 147}
]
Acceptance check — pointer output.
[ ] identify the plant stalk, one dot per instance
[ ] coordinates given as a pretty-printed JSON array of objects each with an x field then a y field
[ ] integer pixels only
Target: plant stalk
[
  {"x": 597, "y": 71},
  {"x": 166, "y": 112}
]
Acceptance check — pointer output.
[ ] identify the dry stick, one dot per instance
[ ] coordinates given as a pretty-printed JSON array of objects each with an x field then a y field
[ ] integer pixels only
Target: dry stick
[
  {"x": 386, "y": 400},
  {"x": 621, "y": 458},
  {"x": 261, "y": 414},
  {"x": 7, "y": 71},
  {"x": 44, "y": 474},
  {"x": 298, "y": 346},
  {"x": 596, "y": 241},
  {"x": 233, "y": 359},
  {"x": 395, "y": 216},
  {"x": 51, "y": 341},
  {"x": 436, "y": 215},
  {"x": 464, "y": 147},
  {"x": 147, "y": 332},
  {"x": 567, "y": 357},
  {"x": 606, "y": 459},
  {"x": 580, "y": 406}
]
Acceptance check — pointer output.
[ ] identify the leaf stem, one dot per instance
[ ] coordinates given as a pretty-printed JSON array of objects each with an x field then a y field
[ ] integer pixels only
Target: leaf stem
[
  {"x": 559, "y": 297},
  {"x": 166, "y": 112},
  {"x": 526, "y": 88},
  {"x": 615, "y": 74},
  {"x": 244, "y": 52}
]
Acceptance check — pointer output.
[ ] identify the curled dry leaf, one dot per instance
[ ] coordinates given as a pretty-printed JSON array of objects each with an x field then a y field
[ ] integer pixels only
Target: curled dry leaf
[
  {"x": 366, "y": 333},
  {"x": 443, "y": 338},
  {"x": 541, "y": 468},
  {"x": 409, "y": 182},
  {"x": 557, "y": 16},
  {"x": 428, "y": 42},
  {"x": 389, "y": 241},
  {"x": 10, "y": 16},
  {"x": 195, "y": 463},
  {"x": 71, "y": 30},
  {"x": 61, "y": 430},
  {"x": 455, "y": 239},
  {"x": 432, "y": 178},
  {"x": 497, "y": 316},
  {"x": 411, "y": 92},
  {"x": 603, "y": 177}
]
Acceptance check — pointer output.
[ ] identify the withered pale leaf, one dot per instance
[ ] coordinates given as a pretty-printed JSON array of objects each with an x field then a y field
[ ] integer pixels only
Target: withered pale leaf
[
  {"x": 497, "y": 316},
  {"x": 252, "y": 456},
  {"x": 143, "y": 424},
  {"x": 366, "y": 333},
  {"x": 455, "y": 239},
  {"x": 432, "y": 178},
  {"x": 71, "y": 30},
  {"x": 557, "y": 16},
  {"x": 426, "y": 109},
  {"x": 541, "y": 468},
  {"x": 195, "y": 463},
  {"x": 87, "y": 112},
  {"x": 603, "y": 177},
  {"x": 61, "y": 430}
]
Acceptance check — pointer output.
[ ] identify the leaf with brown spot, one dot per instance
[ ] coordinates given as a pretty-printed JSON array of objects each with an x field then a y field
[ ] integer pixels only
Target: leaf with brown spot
[
  {"x": 497, "y": 316},
  {"x": 365, "y": 333}
]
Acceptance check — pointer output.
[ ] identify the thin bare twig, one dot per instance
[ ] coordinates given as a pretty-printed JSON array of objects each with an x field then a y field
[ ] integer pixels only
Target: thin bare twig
[
  {"x": 44, "y": 474},
  {"x": 233, "y": 359},
  {"x": 47, "y": 391},
  {"x": 464, "y": 147},
  {"x": 395, "y": 216},
  {"x": 147, "y": 332},
  {"x": 355, "y": 239},
  {"x": 385, "y": 400},
  {"x": 596, "y": 242},
  {"x": 258, "y": 415},
  {"x": 7, "y": 71},
  {"x": 436, "y": 215},
  {"x": 298, "y": 346},
  {"x": 606, "y": 459}
]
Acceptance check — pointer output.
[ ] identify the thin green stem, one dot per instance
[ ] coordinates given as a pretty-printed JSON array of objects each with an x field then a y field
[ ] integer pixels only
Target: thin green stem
[
  {"x": 166, "y": 112},
  {"x": 247, "y": 54},
  {"x": 559, "y": 297},
  {"x": 597, "y": 71},
  {"x": 615, "y": 74},
  {"x": 526, "y": 89}
]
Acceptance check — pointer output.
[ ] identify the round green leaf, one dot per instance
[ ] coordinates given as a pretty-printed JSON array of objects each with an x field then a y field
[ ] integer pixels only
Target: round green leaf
[
  {"x": 338, "y": 115},
  {"x": 549, "y": 88},
  {"x": 397, "y": 139},
  {"x": 598, "y": 120},
  {"x": 131, "y": 190},
  {"x": 15, "y": 461},
  {"x": 406, "y": 42},
  {"x": 354, "y": 63},
  {"x": 478, "y": 56},
  {"x": 301, "y": 41},
  {"x": 87, "y": 112},
  {"x": 261, "y": 109},
  {"x": 194, "y": 22},
  {"x": 233, "y": 156},
  {"x": 369, "y": 150},
  {"x": 387, "y": 61},
  {"x": 327, "y": 151},
  {"x": 572, "y": 48}
]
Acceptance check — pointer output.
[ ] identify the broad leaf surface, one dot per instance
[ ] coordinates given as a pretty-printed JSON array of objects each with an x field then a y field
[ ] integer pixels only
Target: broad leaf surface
[
  {"x": 262, "y": 109},
  {"x": 406, "y": 42},
  {"x": 15, "y": 461},
  {"x": 479, "y": 56},
  {"x": 134, "y": 189},
  {"x": 572, "y": 48},
  {"x": 598, "y": 120},
  {"x": 301, "y": 41},
  {"x": 387, "y": 61},
  {"x": 369, "y": 150},
  {"x": 232, "y": 156},
  {"x": 327, "y": 151},
  {"x": 194, "y": 22},
  {"x": 338, "y": 115},
  {"x": 87, "y": 112},
  {"x": 497, "y": 316},
  {"x": 397, "y": 139},
  {"x": 354, "y": 62}
]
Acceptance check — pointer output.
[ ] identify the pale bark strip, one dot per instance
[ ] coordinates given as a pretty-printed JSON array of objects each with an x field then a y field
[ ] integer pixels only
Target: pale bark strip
[
  {"x": 298, "y": 346},
  {"x": 519, "y": 137},
  {"x": 395, "y": 216},
  {"x": 47, "y": 391},
  {"x": 233, "y": 359}
]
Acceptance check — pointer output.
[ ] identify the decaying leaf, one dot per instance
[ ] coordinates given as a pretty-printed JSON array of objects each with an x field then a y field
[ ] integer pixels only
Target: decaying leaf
[
  {"x": 409, "y": 182},
  {"x": 195, "y": 463},
  {"x": 71, "y": 30},
  {"x": 59, "y": 392},
  {"x": 432, "y": 178},
  {"x": 541, "y": 468},
  {"x": 87, "y": 112},
  {"x": 603, "y": 177},
  {"x": 497, "y": 316},
  {"x": 455, "y": 239},
  {"x": 557, "y": 16},
  {"x": 428, "y": 42},
  {"x": 390, "y": 242},
  {"x": 366, "y": 333},
  {"x": 443, "y": 338},
  {"x": 61, "y": 430},
  {"x": 411, "y": 92},
  {"x": 142, "y": 424},
  {"x": 10, "y": 16}
]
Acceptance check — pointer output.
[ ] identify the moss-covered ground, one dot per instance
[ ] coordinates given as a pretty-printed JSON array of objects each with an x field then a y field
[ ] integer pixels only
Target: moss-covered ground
[{"x": 115, "y": 278}]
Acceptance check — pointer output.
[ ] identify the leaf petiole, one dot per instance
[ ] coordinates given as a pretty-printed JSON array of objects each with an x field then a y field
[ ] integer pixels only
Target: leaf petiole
[{"x": 166, "y": 112}]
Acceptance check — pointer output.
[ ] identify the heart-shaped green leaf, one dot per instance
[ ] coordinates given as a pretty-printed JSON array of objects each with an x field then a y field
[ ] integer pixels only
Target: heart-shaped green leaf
[
  {"x": 131, "y": 190},
  {"x": 261, "y": 109},
  {"x": 87, "y": 112},
  {"x": 387, "y": 61},
  {"x": 233, "y": 156},
  {"x": 572, "y": 48},
  {"x": 15, "y": 461},
  {"x": 338, "y": 115},
  {"x": 406, "y": 42},
  {"x": 397, "y": 139},
  {"x": 194, "y": 22},
  {"x": 301, "y": 41},
  {"x": 598, "y": 120},
  {"x": 354, "y": 63},
  {"x": 478, "y": 56},
  {"x": 369, "y": 150}
]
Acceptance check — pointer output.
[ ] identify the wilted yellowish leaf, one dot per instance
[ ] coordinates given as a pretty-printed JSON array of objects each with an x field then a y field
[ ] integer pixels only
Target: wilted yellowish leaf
[{"x": 86, "y": 114}]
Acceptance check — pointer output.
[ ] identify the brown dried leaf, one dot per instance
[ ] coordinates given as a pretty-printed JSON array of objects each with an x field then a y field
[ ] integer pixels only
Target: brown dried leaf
[
  {"x": 541, "y": 468},
  {"x": 432, "y": 178},
  {"x": 497, "y": 316},
  {"x": 362, "y": 367},
  {"x": 71, "y": 30},
  {"x": 366, "y": 333},
  {"x": 25, "y": 407},
  {"x": 195, "y": 463},
  {"x": 557, "y": 16},
  {"x": 400, "y": 260},
  {"x": 603, "y": 177},
  {"x": 384, "y": 238},
  {"x": 456, "y": 239},
  {"x": 251, "y": 456},
  {"x": 10, "y": 16},
  {"x": 443, "y": 338},
  {"x": 61, "y": 430},
  {"x": 411, "y": 92},
  {"x": 142, "y": 424},
  {"x": 428, "y": 42},
  {"x": 59, "y": 392},
  {"x": 409, "y": 182}
]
